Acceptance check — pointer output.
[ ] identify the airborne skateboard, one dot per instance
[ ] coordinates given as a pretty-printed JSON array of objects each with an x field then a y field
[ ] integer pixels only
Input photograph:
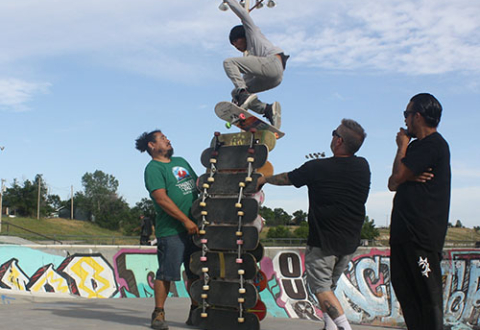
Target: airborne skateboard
[
  {"x": 222, "y": 318},
  {"x": 235, "y": 157},
  {"x": 225, "y": 183},
  {"x": 234, "y": 115},
  {"x": 224, "y": 265},
  {"x": 224, "y": 293},
  {"x": 245, "y": 138},
  {"x": 225, "y": 210}
]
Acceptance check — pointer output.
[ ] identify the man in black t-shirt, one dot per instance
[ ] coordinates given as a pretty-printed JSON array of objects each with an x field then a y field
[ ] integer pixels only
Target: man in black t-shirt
[
  {"x": 421, "y": 179},
  {"x": 337, "y": 191}
]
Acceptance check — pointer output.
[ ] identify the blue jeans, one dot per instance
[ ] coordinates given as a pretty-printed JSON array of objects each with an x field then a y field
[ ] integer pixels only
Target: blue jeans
[{"x": 172, "y": 251}]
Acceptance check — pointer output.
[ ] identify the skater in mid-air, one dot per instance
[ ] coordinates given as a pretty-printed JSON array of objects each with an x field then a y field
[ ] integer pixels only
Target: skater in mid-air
[{"x": 260, "y": 69}]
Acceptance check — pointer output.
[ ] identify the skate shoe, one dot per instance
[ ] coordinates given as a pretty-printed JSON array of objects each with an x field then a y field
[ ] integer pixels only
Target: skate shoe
[
  {"x": 158, "y": 320},
  {"x": 273, "y": 112}
]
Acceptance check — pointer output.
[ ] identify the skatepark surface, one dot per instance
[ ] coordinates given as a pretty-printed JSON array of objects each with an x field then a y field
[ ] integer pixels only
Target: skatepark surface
[{"x": 52, "y": 313}]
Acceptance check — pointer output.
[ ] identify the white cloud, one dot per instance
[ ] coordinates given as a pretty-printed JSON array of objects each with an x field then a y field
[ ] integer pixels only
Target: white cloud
[
  {"x": 15, "y": 93},
  {"x": 408, "y": 36}
]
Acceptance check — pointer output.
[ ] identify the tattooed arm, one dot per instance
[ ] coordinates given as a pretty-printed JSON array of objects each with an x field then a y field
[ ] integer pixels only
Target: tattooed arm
[{"x": 278, "y": 180}]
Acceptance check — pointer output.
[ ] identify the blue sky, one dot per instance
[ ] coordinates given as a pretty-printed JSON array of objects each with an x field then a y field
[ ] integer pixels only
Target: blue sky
[{"x": 81, "y": 80}]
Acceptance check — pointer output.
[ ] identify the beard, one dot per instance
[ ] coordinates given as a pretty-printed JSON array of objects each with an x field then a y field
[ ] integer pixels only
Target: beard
[{"x": 169, "y": 153}]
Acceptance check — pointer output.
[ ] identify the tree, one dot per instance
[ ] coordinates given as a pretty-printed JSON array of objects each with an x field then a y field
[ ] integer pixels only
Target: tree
[
  {"x": 368, "y": 229},
  {"x": 279, "y": 232},
  {"x": 299, "y": 217},
  {"x": 23, "y": 198},
  {"x": 458, "y": 224},
  {"x": 302, "y": 231},
  {"x": 100, "y": 200}
]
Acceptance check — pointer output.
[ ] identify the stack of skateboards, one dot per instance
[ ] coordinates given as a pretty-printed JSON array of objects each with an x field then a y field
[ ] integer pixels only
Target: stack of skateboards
[{"x": 229, "y": 226}]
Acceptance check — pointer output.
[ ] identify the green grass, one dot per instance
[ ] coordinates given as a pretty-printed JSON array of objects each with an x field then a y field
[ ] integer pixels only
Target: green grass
[{"x": 63, "y": 230}]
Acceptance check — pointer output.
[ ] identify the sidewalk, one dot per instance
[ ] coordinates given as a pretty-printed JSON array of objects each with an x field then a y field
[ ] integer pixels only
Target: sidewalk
[{"x": 27, "y": 312}]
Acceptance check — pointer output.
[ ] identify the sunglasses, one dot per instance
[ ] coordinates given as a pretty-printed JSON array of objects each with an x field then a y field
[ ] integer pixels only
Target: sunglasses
[
  {"x": 406, "y": 113},
  {"x": 334, "y": 133}
]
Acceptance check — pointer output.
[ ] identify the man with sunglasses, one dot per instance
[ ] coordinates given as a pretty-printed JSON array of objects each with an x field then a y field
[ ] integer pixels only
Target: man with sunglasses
[
  {"x": 260, "y": 69},
  {"x": 337, "y": 191},
  {"x": 421, "y": 178}
]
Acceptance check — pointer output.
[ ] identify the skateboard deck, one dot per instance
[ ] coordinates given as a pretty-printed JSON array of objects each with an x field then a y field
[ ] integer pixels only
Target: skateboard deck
[
  {"x": 260, "y": 281},
  {"x": 260, "y": 310},
  {"x": 225, "y": 238},
  {"x": 234, "y": 115},
  {"x": 235, "y": 157},
  {"x": 245, "y": 138},
  {"x": 224, "y": 183},
  {"x": 224, "y": 293},
  {"x": 224, "y": 265},
  {"x": 225, "y": 210},
  {"x": 221, "y": 319}
]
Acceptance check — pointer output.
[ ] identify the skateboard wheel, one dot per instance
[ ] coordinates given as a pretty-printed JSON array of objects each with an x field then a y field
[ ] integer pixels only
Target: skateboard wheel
[
  {"x": 250, "y": 159},
  {"x": 203, "y": 259},
  {"x": 203, "y": 204},
  {"x": 204, "y": 241},
  {"x": 241, "y": 319},
  {"x": 241, "y": 300},
  {"x": 217, "y": 133},
  {"x": 202, "y": 231},
  {"x": 211, "y": 179},
  {"x": 241, "y": 184},
  {"x": 213, "y": 161},
  {"x": 238, "y": 205},
  {"x": 242, "y": 290},
  {"x": 248, "y": 179},
  {"x": 206, "y": 287},
  {"x": 239, "y": 233},
  {"x": 204, "y": 315},
  {"x": 204, "y": 296},
  {"x": 239, "y": 241},
  {"x": 240, "y": 213},
  {"x": 206, "y": 186},
  {"x": 204, "y": 269},
  {"x": 239, "y": 261},
  {"x": 241, "y": 272},
  {"x": 228, "y": 125},
  {"x": 204, "y": 213},
  {"x": 251, "y": 151},
  {"x": 242, "y": 116}
]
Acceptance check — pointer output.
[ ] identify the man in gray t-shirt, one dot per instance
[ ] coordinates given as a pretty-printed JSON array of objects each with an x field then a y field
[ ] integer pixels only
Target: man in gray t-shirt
[{"x": 260, "y": 69}]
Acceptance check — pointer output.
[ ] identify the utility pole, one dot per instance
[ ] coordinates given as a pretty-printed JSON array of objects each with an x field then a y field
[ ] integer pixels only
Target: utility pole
[
  {"x": 71, "y": 203},
  {"x": 2, "y": 190},
  {"x": 38, "y": 197}
]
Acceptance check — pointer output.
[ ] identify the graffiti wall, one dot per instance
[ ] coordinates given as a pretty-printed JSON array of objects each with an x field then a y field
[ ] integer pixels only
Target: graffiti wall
[{"x": 364, "y": 289}]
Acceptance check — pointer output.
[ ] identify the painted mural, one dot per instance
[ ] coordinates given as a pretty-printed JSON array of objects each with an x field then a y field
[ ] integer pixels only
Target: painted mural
[{"x": 364, "y": 289}]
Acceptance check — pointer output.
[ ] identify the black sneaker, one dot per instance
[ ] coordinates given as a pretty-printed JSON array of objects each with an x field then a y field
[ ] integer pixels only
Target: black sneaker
[
  {"x": 273, "y": 112},
  {"x": 158, "y": 320},
  {"x": 244, "y": 98}
]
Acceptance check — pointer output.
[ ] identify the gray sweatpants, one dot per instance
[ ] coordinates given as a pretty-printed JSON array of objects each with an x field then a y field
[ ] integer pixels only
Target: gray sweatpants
[{"x": 256, "y": 74}]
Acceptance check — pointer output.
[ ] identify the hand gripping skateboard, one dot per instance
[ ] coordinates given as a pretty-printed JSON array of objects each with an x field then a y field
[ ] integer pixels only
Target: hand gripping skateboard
[
  {"x": 234, "y": 115},
  {"x": 235, "y": 157},
  {"x": 224, "y": 293},
  {"x": 224, "y": 265},
  {"x": 245, "y": 138}
]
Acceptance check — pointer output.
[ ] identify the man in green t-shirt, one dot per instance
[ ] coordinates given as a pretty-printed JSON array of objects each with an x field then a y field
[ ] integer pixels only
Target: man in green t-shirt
[{"x": 171, "y": 184}]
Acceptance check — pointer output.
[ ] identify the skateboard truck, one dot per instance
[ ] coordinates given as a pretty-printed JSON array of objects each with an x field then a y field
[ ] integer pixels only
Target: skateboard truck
[{"x": 235, "y": 119}]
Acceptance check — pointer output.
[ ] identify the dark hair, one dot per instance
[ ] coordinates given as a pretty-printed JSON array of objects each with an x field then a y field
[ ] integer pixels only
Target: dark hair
[
  {"x": 237, "y": 32},
  {"x": 353, "y": 135},
  {"x": 429, "y": 107},
  {"x": 141, "y": 143}
]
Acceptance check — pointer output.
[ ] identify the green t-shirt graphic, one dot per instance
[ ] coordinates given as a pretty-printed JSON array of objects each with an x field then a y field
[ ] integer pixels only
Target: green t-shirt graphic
[{"x": 178, "y": 179}]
